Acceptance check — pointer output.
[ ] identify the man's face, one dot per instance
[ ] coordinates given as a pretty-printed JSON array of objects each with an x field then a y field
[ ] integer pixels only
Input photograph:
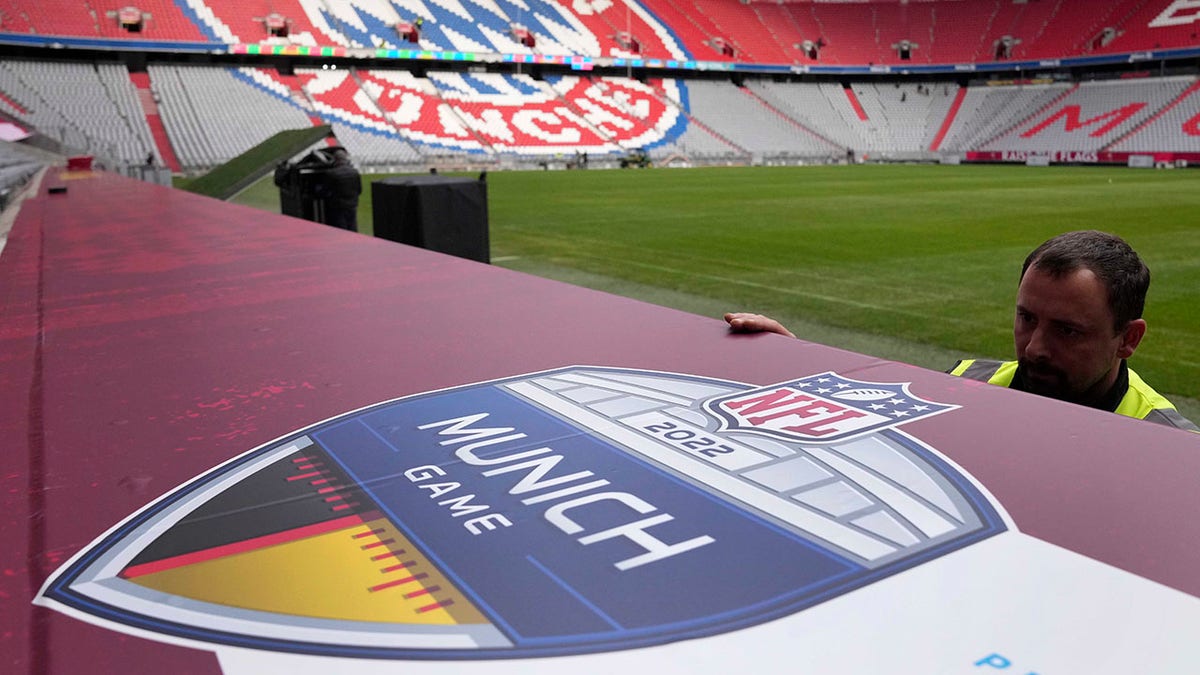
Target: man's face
[{"x": 1064, "y": 335}]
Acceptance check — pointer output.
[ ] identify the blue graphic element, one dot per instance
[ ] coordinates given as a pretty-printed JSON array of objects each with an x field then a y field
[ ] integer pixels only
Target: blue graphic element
[
  {"x": 195, "y": 19},
  {"x": 493, "y": 566},
  {"x": 586, "y": 560}
]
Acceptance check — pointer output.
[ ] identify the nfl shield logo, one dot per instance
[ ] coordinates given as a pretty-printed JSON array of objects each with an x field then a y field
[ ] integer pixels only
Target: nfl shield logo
[
  {"x": 570, "y": 511},
  {"x": 821, "y": 408}
]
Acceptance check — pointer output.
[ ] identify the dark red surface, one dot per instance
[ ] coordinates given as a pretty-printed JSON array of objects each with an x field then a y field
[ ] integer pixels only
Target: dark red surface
[{"x": 148, "y": 334}]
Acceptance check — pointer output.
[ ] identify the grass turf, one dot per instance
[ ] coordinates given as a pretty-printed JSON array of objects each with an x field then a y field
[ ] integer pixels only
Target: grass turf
[{"x": 912, "y": 263}]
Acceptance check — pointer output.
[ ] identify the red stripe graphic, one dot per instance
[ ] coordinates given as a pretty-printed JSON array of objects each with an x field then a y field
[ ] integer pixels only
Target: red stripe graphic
[
  {"x": 854, "y": 103},
  {"x": 436, "y": 605},
  {"x": 241, "y": 547},
  {"x": 398, "y": 582},
  {"x": 946, "y": 123},
  {"x": 423, "y": 591}
]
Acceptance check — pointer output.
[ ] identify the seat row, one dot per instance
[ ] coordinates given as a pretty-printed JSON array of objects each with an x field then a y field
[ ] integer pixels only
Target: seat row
[
  {"x": 390, "y": 117},
  {"x": 934, "y": 31}
]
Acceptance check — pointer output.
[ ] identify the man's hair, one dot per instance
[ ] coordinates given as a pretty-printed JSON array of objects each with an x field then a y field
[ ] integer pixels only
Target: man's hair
[{"x": 1114, "y": 262}]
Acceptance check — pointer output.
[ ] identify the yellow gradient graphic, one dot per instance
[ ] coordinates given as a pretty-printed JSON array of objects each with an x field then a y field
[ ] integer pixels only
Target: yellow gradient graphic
[{"x": 367, "y": 572}]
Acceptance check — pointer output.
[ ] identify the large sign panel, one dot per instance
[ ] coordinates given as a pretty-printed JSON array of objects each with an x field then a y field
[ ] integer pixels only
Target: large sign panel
[{"x": 578, "y": 510}]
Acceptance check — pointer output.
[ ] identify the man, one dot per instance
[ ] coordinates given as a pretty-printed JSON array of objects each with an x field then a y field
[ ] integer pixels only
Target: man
[
  {"x": 341, "y": 189},
  {"x": 1078, "y": 318}
]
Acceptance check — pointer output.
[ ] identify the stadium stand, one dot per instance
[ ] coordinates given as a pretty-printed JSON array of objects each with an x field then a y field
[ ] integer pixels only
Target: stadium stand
[
  {"x": 1152, "y": 25},
  {"x": 755, "y": 31},
  {"x": 1175, "y": 129},
  {"x": 696, "y": 38},
  {"x": 17, "y": 166},
  {"x": 234, "y": 21},
  {"x": 849, "y": 33},
  {"x": 91, "y": 109},
  {"x": 743, "y": 119},
  {"x": 988, "y": 112},
  {"x": 808, "y": 105},
  {"x": 57, "y": 17},
  {"x": 413, "y": 106},
  {"x": 694, "y": 142},
  {"x": 957, "y": 32},
  {"x": 902, "y": 119},
  {"x": 206, "y": 114},
  {"x": 729, "y": 20},
  {"x": 630, "y": 114},
  {"x": 1092, "y": 116},
  {"x": 1022, "y": 23},
  {"x": 599, "y": 28},
  {"x": 509, "y": 119},
  {"x": 205, "y": 129}
]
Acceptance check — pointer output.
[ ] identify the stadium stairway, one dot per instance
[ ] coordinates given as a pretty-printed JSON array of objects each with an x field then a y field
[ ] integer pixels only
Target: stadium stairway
[
  {"x": 855, "y": 103},
  {"x": 162, "y": 142},
  {"x": 695, "y": 123},
  {"x": 11, "y": 106},
  {"x": 1030, "y": 117},
  {"x": 949, "y": 121},
  {"x": 801, "y": 127}
]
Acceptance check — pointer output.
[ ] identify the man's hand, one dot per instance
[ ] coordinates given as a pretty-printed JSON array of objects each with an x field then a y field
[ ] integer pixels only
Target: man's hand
[{"x": 745, "y": 322}]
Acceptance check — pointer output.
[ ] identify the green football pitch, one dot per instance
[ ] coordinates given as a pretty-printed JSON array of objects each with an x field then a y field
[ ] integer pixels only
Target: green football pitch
[{"x": 915, "y": 263}]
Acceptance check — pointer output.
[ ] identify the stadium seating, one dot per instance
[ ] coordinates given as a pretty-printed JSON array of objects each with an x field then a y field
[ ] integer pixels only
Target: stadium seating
[
  {"x": 744, "y": 120},
  {"x": 162, "y": 19},
  {"x": 91, "y": 109},
  {"x": 681, "y": 34},
  {"x": 786, "y": 31},
  {"x": 414, "y": 108},
  {"x": 685, "y": 141},
  {"x": 17, "y": 165},
  {"x": 958, "y": 33},
  {"x": 988, "y": 112},
  {"x": 755, "y": 31},
  {"x": 205, "y": 129},
  {"x": 393, "y": 117},
  {"x": 1148, "y": 25},
  {"x": 1175, "y": 129},
  {"x": 849, "y": 33},
  {"x": 56, "y": 17},
  {"x": 752, "y": 39},
  {"x": 1092, "y": 116},
  {"x": 234, "y": 21},
  {"x": 1026, "y": 23}
]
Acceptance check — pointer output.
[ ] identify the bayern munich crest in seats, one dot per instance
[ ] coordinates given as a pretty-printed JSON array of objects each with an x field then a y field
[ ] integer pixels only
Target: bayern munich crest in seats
[{"x": 576, "y": 510}]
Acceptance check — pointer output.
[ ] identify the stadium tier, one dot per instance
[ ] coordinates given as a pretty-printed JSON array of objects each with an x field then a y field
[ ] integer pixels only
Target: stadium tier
[
  {"x": 211, "y": 114},
  {"x": 193, "y": 117},
  {"x": 750, "y": 31}
]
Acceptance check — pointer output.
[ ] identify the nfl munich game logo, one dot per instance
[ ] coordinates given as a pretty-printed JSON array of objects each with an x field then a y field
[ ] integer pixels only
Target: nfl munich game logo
[
  {"x": 824, "y": 408},
  {"x": 577, "y": 510}
]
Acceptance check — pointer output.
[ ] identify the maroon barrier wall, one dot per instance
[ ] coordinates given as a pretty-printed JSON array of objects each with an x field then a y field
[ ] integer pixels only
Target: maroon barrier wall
[{"x": 148, "y": 334}]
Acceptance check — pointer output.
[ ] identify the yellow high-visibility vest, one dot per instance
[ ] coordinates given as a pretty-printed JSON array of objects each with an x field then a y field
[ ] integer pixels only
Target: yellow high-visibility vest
[{"x": 1140, "y": 400}]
